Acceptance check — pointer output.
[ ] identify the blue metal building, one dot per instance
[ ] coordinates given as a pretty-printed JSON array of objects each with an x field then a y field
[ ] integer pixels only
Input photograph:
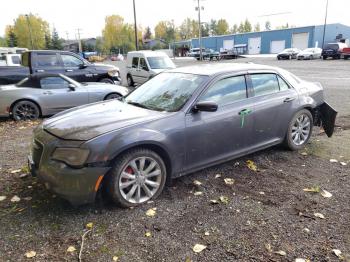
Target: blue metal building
[{"x": 273, "y": 41}]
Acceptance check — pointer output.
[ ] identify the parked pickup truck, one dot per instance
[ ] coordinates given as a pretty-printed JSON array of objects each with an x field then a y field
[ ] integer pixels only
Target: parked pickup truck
[{"x": 59, "y": 62}]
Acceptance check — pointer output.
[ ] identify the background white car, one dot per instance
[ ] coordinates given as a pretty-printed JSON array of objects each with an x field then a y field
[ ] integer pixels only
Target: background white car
[{"x": 310, "y": 53}]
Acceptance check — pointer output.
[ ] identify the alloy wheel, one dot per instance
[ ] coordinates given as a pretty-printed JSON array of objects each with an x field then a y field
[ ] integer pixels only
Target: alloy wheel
[
  {"x": 25, "y": 111},
  {"x": 140, "y": 180},
  {"x": 301, "y": 130}
]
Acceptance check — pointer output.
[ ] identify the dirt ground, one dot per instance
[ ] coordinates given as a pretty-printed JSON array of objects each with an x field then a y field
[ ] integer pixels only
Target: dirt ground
[{"x": 262, "y": 213}]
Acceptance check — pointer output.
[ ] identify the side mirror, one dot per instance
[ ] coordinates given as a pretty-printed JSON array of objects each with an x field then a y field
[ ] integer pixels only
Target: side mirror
[
  {"x": 205, "y": 106},
  {"x": 71, "y": 87},
  {"x": 82, "y": 66},
  {"x": 145, "y": 68}
]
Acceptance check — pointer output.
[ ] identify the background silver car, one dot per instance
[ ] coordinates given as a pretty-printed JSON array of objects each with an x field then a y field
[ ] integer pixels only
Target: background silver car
[
  {"x": 310, "y": 53},
  {"x": 48, "y": 94}
]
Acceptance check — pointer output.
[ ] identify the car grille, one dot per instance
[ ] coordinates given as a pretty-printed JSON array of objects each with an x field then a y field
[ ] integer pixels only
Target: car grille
[{"x": 37, "y": 151}]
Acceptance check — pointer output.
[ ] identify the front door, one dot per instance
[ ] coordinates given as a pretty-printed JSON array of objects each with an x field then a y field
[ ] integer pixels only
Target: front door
[
  {"x": 143, "y": 72},
  {"x": 75, "y": 68},
  {"x": 47, "y": 62},
  {"x": 57, "y": 96},
  {"x": 212, "y": 136},
  {"x": 254, "y": 45},
  {"x": 274, "y": 105}
]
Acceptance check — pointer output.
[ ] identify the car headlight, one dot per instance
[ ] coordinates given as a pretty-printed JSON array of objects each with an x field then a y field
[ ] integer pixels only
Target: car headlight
[
  {"x": 71, "y": 156},
  {"x": 113, "y": 73}
]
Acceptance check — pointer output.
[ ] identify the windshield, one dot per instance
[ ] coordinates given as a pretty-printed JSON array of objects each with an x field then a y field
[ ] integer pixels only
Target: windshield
[
  {"x": 166, "y": 91},
  {"x": 332, "y": 46},
  {"x": 160, "y": 62}
]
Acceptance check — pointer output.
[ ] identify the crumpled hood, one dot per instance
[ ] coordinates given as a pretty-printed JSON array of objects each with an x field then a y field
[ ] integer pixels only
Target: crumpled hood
[{"x": 89, "y": 121}]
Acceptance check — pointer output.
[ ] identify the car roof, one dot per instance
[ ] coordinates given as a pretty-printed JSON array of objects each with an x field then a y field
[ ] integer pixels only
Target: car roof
[
  {"x": 214, "y": 69},
  {"x": 147, "y": 53}
]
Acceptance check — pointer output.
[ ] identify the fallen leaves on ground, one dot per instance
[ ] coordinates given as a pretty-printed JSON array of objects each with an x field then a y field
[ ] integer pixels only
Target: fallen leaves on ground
[
  {"x": 224, "y": 199},
  {"x": 343, "y": 163},
  {"x": 115, "y": 258},
  {"x": 30, "y": 254},
  {"x": 2, "y": 198},
  {"x": 217, "y": 175},
  {"x": 303, "y": 153},
  {"x": 24, "y": 175},
  {"x": 89, "y": 225},
  {"x": 199, "y": 248},
  {"x": 197, "y": 183},
  {"x": 280, "y": 252},
  {"x": 333, "y": 160},
  {"x": 214, "y": 201},
  {"x": 338, "y": 253},
  {"x": 148, "y": 234},
  {"x": 229, "y": 181},
  {"x": 319, "y": 215},
  {"x": 251, "y": 165},
  {"x": 15, "y": 171},
  {"x": 15, "y": 199},
  {"x": 206, "y": 233},
  {"x": 268, "y": 248},
  {"x": 198, "y": 193},
  {"x": 151, "y": 212},
  {"x": 71, "y": 249},
  {"x": 326, "y": 194},
  {"x": 314, "y": 189},
  {"x": 302, "y": 260}
]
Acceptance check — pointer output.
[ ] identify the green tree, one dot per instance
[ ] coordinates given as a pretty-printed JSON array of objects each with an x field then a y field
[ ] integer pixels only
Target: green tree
[
  {"x": 56, "y": 42},
  {"x": 205, "y": 30},
  {"x": 3, "y": 42},
  {"x": 213, "y": 27},
  {"x": 222, "y": 27},
  {"x": 11, "y": 38},
  {"x": 30, "y": 27},
  {"x": 267, "y": 25},
  {"x": 257, "y": 27},
  {"x": 241, "y": 28},
  {"x": 186, "y": 30},
  {"x": 247, "y": 26},
  {"x": 234, "y": 29},
  {"x": 47, "y": 41},
  {"x": 147, "y": 34}
]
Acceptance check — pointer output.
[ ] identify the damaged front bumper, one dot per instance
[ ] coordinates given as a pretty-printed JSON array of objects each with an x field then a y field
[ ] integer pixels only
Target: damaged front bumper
[{"x": 325, "y": 117}]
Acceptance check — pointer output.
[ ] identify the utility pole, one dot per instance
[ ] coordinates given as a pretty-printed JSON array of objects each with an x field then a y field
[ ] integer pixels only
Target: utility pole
[
  {"x": 325, "y": 24},
  {"x": 67, "y": 35},
  {"x": 135, "y": 24},
  {"x": 199, "y": 30},
  {"x": 30, "y": 32},
  {"x": 79, "y": 41}
]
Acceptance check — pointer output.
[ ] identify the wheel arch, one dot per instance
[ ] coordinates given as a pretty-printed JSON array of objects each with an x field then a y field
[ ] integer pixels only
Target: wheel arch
[
  {"x": 27, "y": 99},
  {"x": 111, "y": 93}
]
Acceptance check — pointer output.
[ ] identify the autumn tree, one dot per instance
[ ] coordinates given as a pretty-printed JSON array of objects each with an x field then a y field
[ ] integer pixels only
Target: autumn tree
[
  {"x": 222, "y": 27},
  {"x": 241, "y": 28},
  {"x": 30, "y": 29},
  {"x": 185, "y": 30},
  {"x": 247, "y": 26},
  {"x": 3, "y": 41},
  {"x": 234, "y": 29}
]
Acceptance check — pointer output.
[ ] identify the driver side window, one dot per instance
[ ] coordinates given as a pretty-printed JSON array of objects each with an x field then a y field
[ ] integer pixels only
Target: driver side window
[
  {"x": 53, "y": 83},
  {"x": 71, "y": 61},
  {"x": 226, "y": 91},
  {"x": 143, "y": 64}
]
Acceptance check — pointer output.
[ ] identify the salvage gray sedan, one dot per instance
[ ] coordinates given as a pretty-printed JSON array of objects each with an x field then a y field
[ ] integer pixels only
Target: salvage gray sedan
[
  {"x": 178, "y": 122},
  {"x": 48, "y": 94}
]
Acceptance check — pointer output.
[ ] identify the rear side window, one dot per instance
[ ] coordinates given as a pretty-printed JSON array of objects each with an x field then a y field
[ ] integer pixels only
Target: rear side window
[
  {"x": 53, "y": 83},
  {"x": 16, "y": 60},
  {"x": 282, "y": 83},
  {"x": 47, "y": 60},
  {"x": 143, "y": 64},
  {"x": 264, "y": 84},
  {"x": 135, "y": 62},
  {"x": 226, "y": 91}
]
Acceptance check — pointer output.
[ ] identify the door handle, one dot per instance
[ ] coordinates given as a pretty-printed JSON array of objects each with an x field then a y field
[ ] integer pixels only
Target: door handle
[
  {"x": 47, "y": 93},
  {"x": 69, "y": 70},
  {"x": 244, "y": 112},
  {"x": 288, "y": 99},
  {"x": 40, "y": 70}
]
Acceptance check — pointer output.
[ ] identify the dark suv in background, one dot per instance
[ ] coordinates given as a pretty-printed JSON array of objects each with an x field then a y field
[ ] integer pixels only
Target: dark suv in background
[{"x": 333, "y": 50}]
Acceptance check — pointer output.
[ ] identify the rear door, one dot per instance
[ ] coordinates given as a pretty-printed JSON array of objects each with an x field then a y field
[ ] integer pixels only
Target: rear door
[
  {"x": 57, "y": 96},
  {"x": 134, "y": 69},
  {"x": 275, "y": 103},
  {"x": 47, "y": 62},
  {"x": 143, "y": 72}
]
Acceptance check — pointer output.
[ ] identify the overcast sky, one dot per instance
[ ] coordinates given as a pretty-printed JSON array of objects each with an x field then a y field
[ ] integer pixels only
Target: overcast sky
[{"x": 68, "y": 15}]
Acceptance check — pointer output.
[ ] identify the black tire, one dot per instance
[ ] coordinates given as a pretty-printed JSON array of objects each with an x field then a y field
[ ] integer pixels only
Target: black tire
[
  {"x": 113, "y": 96},
  {"x": 324, "y": 57},
  {"x": 121, "y": 164},
  {"x": 278, "y": 58},
  {"x": 288, "y": 141},
  {"x": 25, "y": 110},
  {"x": 311, "y": 57},
  {"x": 130, "y": 81},
  {"x": 107, "y": 80}
]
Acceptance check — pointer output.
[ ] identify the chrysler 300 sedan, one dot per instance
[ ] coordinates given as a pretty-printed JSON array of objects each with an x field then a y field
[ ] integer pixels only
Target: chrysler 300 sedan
[{"x": 180, "y": 121}]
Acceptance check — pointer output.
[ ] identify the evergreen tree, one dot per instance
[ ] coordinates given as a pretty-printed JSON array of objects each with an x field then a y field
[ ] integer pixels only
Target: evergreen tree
[
  {"x": 234, "y": 29},
  {"x": 267, "y": 25},
  {"x": 56, "y": 42},
  {"x": 257, "y": 27},
  {"x": 247, "y": 26},
  {"x": 148, "y": 34},
  {"x": 47, "y": 41},
  {"x": 11, "y": 37}
]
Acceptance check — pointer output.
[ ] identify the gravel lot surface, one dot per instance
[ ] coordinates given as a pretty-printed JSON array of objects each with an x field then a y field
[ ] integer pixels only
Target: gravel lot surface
[{"x": 265, "y": 215}]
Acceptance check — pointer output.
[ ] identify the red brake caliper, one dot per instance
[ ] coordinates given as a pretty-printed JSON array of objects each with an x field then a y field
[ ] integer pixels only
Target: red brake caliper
[{"x": 129, "y": 171}]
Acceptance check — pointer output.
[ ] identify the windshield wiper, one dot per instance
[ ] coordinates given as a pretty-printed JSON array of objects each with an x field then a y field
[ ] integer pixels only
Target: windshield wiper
[{"x": 137, "y": 104}]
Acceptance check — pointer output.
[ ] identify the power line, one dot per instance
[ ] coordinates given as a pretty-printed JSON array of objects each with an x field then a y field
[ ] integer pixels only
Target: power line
[{"x": 274, "y": 14}]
